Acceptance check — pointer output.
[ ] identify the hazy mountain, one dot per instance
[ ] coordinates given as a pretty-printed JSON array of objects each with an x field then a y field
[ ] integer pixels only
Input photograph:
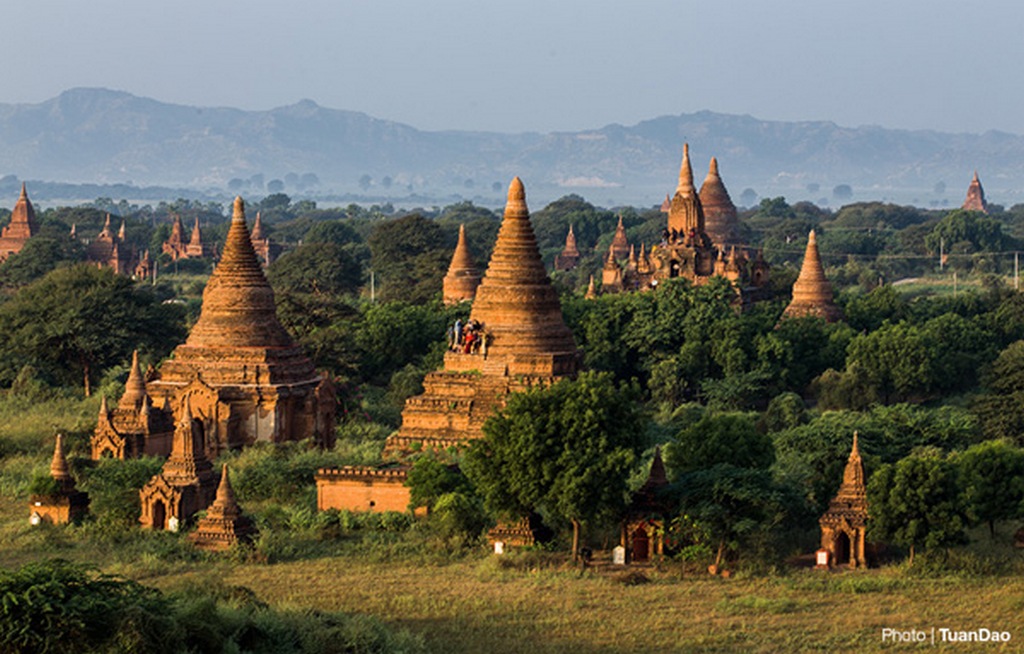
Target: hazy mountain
[{"x": 102, "y": 136}]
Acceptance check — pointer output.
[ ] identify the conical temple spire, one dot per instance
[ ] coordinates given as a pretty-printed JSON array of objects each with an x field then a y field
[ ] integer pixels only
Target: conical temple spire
[
  {"x": 59, "y": 464},
  {"x": 225, "y": 504},
  {"x": 570, "y": 250},
  {"x": 188, "y": 451},
  {"x": 516, "y": 303},
  {"x": 121, "y": 232},
  {"x": 238, "y": 304},
  {"x": 135, "y": 387},
  {"x": 257, "y": 228},
  {"x": 975, "y": 200},
  {"x": 24, "y": 191},
  {"x": 812, "y": 293},
  {"x": 591, "y": 290},
  {"x": 853, "y": 474},
  {"x": 106, "y": 228},
  {"x": 463, "y": 277},
  {"x": 620, "y": 245},
  {"x": 685, "y": 186}
]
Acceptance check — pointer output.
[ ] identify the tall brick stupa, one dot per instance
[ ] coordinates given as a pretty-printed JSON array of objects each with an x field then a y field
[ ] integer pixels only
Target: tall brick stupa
[
  {"x": 246, "y": 378},
  {"x": 812, "y": 292},
  {"x": 22, "y": 226},
  {"x": 463, "y": 276}
]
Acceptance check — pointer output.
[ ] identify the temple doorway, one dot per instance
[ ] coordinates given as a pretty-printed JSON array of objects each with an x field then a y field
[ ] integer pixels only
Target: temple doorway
[
  {"x": 159, "y": 515},
  {"x": 641, "y": 545},
  {"x": 842, "y": 552}
]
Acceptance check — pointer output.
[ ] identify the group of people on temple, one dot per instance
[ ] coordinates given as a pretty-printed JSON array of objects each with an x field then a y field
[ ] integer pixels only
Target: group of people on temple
[
  {"x": 468, "y": 338},
  {"x": 673, "y": 236}
]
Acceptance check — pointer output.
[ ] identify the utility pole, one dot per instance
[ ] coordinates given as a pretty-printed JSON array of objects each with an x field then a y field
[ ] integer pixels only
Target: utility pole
[
  {"x": 942, "y": 248},
  {"x": 1016, "y": 271}
]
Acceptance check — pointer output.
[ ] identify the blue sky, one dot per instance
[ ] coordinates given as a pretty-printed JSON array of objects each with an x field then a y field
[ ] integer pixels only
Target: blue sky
[{"x": 538, "y": 65}]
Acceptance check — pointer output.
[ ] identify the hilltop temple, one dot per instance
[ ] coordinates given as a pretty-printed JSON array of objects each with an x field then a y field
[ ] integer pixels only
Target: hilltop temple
[
  {"x": 525, "y": 343},
  {"x": 844, "y": 525},
  {"x": 687, "y": 248},
  {"x": 244, "y": 376},
  {"x": 21, "y": 228},
  {"x": 463, "y": 277},
  {"x": 812, "y": 293},
  {"x": 975, "y": 200}
]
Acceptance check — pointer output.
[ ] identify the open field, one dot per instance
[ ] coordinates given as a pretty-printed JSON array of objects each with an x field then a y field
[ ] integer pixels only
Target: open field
[{"x": 534, "y": 603}]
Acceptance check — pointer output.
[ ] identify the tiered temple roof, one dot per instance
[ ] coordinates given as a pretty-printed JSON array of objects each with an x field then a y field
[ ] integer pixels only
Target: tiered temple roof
[
  {"x": 196, "y": 249},
  {"x": 256, "y": 382},
  {"x": 176, "y": 245},
  {"x": 527, "y": 342},
  {"x": 21, "y": 228},
  {"x": 187, "y": 482},
  {"x": 720, "y": 218},
  {"x": 224, "y": 524},
  {"x": 620, "y": 244},
  {"x": 267, "y": 251},
  {"x": 812, "y": 292},
  {"x": 134, "y": 427},
  {"x": 463, "y": 276},
  {"x": 570, "y": 255},
  {"x": 109, "y": 250},
  {"x": 686, "y": 215},
  {"x": 975, "y": 200},
  {"x": 844, "y": 524}
]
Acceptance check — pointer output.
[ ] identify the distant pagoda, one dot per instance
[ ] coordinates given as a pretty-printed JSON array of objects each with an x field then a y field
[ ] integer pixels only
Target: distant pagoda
[
  {"x": 620, "y": 244},
  {"x": 463, "y": 274},
  {"x": 720, "y": 218},
  {"x": 570, "y": 255},
  {"x": 22, "y": 226},
  {"x": 975, "y": 200},
  {"x": 812, "y": 293}
]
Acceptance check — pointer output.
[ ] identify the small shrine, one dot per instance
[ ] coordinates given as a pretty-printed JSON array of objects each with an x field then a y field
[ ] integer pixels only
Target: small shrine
[
  {"x": 176, "y": 244},
  {"x": 463, "y": 277},
  {"x": 570, "y": 255},
  {"x": 224, "y": 524},
  {"x": 186, "y": 484},
  {"x": 196, "y": 248},
  {"x": 812, "y": 292},
  {"x": 134, "y": 427},
  {"x": 975, "y": 200},
  {"x": 22, "y": 226},
  {"x": 844, "y": 525},
  {"x": 109, "y": 250},
  {"x": 66, "y": 504},
  {"x": 643, "y": 524},
  {"x": 266, "y": 250}
]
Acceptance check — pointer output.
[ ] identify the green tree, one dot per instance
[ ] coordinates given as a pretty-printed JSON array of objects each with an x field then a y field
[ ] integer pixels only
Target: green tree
[
  {"x": 317, "y": 268},
  {"x": 1001, "y": 409},
  {"x": 75, "y": 322},
  {"x": 566, "y": 451},
  {"x": 992, "y": 478},
  {"x": 917, "y": 503},
  {"x": 410, "y": 256},
  {"x": 716, "y": 439},
  {"x": 39, "y": 256},
  {"x": 894, "y": 360}
]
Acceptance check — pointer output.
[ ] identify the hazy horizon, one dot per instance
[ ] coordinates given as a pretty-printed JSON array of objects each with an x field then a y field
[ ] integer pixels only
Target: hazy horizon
[{"x": 532, "y": 66}]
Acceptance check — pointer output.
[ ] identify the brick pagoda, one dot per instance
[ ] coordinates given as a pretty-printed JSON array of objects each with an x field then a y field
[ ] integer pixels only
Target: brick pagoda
[
  {"x": 812, "y": 293},
  {"x": 844, "y": 525},
  {"x": 134, "y": 427},
  {"x": 463, "y": 277},
  {"x": 570, "y": 255},
  {"x": 526, "y": 344},
  {"x": 975, "y": 200},
  {"x": 186, "y": 484},
  {"x": 67, "y": 504},
  {"x": 720, "y": 218},
  {"x": 22, "y": 226},
  {"x": 224, "y": 524}
]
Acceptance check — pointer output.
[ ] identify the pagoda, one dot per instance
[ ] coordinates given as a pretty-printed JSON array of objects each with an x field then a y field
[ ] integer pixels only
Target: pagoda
[
  {"x": 525, "y": 344},
  {"x": 176, "y": 245},
  {"x": 570, "y": 255},
  {"x": 21, "y": 228},
  {"x": 463, "y": 274},
  {"x": 196, "y": 249},
  {"x": 134, "y": 427},
  {"x": 246, "y": 378},
  {"x": 620, "y": 244},
  {"x": 108, "y": 250},
  {"x": 224, "y": 524},
  {"x": 186, "y": 484},
  {"x": 267, "y": 252},
  {"x": 975, "y": 200},
  {"x": 66, "y": 504},
  {"x": 720, "y": 218},
  {"x": 812, "y": 293},
  {"x": 844, "y": 525}
]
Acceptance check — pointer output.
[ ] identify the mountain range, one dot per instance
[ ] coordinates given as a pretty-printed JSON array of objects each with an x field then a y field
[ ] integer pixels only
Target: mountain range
[{"x": 99, "y": 136}]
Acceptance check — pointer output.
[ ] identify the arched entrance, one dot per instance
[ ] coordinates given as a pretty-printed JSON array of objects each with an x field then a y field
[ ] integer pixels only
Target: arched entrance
[
  {"x": 159, "y": 515},
  {"x": 842, "y": 551},
  {"x": 641, "y": 545}
]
